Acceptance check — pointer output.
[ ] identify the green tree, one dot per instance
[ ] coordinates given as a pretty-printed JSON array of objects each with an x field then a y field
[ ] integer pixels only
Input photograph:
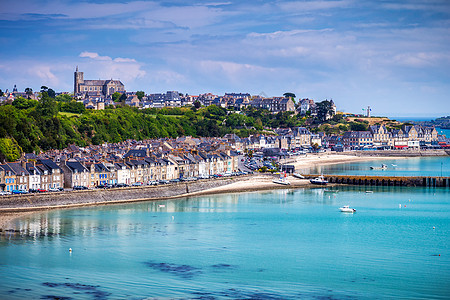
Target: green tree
[
  {"x": 289, "y": 95},
  {"x": 51, "y": 93},
  {"x": 9, "y": 150},
  {"x": 22, "y": 103},
  {"x": 140, "y": 94},
  {"x": 324, "y": 109},
  {"x": 29, "y": 92},
  {"x": 358, "y": 126},
  {"x": 47, "y": 106},
  {"x": 64, "y": 98},
  {"x": 116, "y": 96}
]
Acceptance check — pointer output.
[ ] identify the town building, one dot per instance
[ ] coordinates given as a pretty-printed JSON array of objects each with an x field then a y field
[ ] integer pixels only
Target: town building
[{"x": 99, "y": 87}]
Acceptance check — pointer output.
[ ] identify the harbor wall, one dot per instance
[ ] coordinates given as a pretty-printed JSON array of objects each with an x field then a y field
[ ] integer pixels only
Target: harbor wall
[
  {"x": 35, "y": 201},
  {"x": 411, "y": 181}
]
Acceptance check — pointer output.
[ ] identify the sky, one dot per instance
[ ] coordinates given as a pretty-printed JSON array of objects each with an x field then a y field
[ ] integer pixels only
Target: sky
[{"x": 393, "y": 56}]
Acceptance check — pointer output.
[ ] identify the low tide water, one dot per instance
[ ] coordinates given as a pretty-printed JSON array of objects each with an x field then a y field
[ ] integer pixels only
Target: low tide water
[
  {"x": 282, "y": 244},
  {"x": 413, "y": 166}
]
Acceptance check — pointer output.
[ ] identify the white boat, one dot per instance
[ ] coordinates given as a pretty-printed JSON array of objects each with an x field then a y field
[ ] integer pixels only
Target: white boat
[
  {"x": 281, "y": 180},
  {"x": 347, "y": 209},
  {"x": 383, "y": 167},
  {"x": 331, "y": 191},
  {"x": 319, "y": 180},
  {"x": 298, "y": 175}
]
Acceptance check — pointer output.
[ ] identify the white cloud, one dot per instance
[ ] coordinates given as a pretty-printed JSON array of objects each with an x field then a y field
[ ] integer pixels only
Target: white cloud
[
  {"x": 94, "y": 55},
  {"x": 125, "y": 69},
  {"x": 305, "y": 6}
]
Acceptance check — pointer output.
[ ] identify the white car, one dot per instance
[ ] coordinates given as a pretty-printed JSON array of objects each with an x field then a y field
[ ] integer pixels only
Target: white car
[
  {"x": 4, "y": 193},
  {"x": 53, "y": 189}
]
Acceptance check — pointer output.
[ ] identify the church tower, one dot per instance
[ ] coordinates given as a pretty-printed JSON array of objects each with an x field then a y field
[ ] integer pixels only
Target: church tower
[{"x": 78, "y": 79}]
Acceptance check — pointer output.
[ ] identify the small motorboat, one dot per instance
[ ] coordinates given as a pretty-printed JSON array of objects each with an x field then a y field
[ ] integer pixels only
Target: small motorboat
[
  {"x": 281, "y": 180},
  {"x": 319, "y": 180},
  {"x": 298, "y": 175},
  {"x": 331, "y": 191},
  {"x": 383, "y": 167},
  {"x": 347, "y": 209}
]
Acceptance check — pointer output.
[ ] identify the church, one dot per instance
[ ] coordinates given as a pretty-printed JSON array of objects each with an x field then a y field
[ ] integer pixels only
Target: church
[{"x": 103, "y": 88}]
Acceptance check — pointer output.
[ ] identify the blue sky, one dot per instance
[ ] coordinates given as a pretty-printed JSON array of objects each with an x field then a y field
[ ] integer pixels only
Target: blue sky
[{"x": 391, "y": 55}]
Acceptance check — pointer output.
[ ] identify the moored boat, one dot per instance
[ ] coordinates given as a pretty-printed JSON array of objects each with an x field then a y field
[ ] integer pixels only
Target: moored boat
[
  {"x": 319, "y": 180},
  {"x": 298, "y": 175},
  {"x": 383, "y": 167},
  {"x": 281, "y": 181},
  {"x": 347, "y": 209}
]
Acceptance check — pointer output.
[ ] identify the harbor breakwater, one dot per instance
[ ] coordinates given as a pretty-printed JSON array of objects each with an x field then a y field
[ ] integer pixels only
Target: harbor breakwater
[{"x": 411, "y": 181}]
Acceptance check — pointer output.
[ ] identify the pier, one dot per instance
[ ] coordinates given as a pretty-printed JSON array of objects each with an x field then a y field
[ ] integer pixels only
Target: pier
[{"x": 426, "y": 181}]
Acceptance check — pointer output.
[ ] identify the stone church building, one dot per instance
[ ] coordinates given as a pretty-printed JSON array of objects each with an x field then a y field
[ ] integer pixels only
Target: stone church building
[{"x": 96, "y": 87}]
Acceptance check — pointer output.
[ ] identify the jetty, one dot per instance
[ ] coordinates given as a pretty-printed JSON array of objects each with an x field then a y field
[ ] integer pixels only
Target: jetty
[{"x": 425, "y": 181}]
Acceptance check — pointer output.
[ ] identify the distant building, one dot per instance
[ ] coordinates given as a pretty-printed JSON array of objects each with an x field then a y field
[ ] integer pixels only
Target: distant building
[
  {"x": 275, "y": 104},
  {"x": 98, "y": 87}
]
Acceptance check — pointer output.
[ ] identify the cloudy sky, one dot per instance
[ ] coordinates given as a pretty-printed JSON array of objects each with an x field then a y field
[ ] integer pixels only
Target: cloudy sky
[{"x": 391, "y": 55}]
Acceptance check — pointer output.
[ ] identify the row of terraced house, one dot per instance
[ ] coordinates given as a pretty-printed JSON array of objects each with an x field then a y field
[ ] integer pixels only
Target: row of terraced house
[
  {"x": 136, "y": 166},
  {"x": 378, "y": 136}
]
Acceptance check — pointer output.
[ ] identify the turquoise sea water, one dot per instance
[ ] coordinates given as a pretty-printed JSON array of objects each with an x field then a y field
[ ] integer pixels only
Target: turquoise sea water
[
  {"x": 415, "y": 166},
  {"x": 283, "y": 244}
]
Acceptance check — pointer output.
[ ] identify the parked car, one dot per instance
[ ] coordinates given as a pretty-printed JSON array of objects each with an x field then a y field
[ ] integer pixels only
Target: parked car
[
  {"x": 153, "y": 182},
  {"x": 162, "y": 181},
  {"x": 42, "y": 191},
  {"x": 53, "y": 189},
  {"x": 4, "y": 193},
  {"x": 176, "y": 180},
  {"x": 19, "y": 192},
  {"x": 32, "y": 190},
  {"x": 139, "y": 183},
  {"x": 79, "y": 187},
  {"x": 119, "y": 185},
  {"x": 104, "y": 186}
]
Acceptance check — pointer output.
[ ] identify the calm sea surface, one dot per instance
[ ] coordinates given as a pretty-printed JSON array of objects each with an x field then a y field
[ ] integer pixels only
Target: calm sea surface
[
  {"x": 414, "y": 166},
  {"x": 283, "y": 244}
]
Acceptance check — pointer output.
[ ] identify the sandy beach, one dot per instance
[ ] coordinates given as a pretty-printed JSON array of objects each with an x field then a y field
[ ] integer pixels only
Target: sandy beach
[{"x": 251, "y": 183}]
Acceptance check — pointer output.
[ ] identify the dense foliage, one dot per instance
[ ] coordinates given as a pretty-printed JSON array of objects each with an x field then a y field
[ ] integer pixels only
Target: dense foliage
[{"x": 55, "y": 122}]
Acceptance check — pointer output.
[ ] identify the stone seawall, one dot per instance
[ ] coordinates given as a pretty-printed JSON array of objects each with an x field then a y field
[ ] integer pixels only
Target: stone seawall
[{"x": 99, "y": 196}]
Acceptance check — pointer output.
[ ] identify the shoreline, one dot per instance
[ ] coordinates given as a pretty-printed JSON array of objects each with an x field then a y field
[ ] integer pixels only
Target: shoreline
[{"x": 256, "y": 182}]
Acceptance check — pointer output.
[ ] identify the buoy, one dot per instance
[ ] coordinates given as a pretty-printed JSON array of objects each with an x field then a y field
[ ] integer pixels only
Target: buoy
[
  {"x": 70, "y": 250},
  {"x": 173, "y": 217},
  {"x": 399, "y": 206},
  {"x": 434, "y": 227},
  {"x": 405, "y": 205}
]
